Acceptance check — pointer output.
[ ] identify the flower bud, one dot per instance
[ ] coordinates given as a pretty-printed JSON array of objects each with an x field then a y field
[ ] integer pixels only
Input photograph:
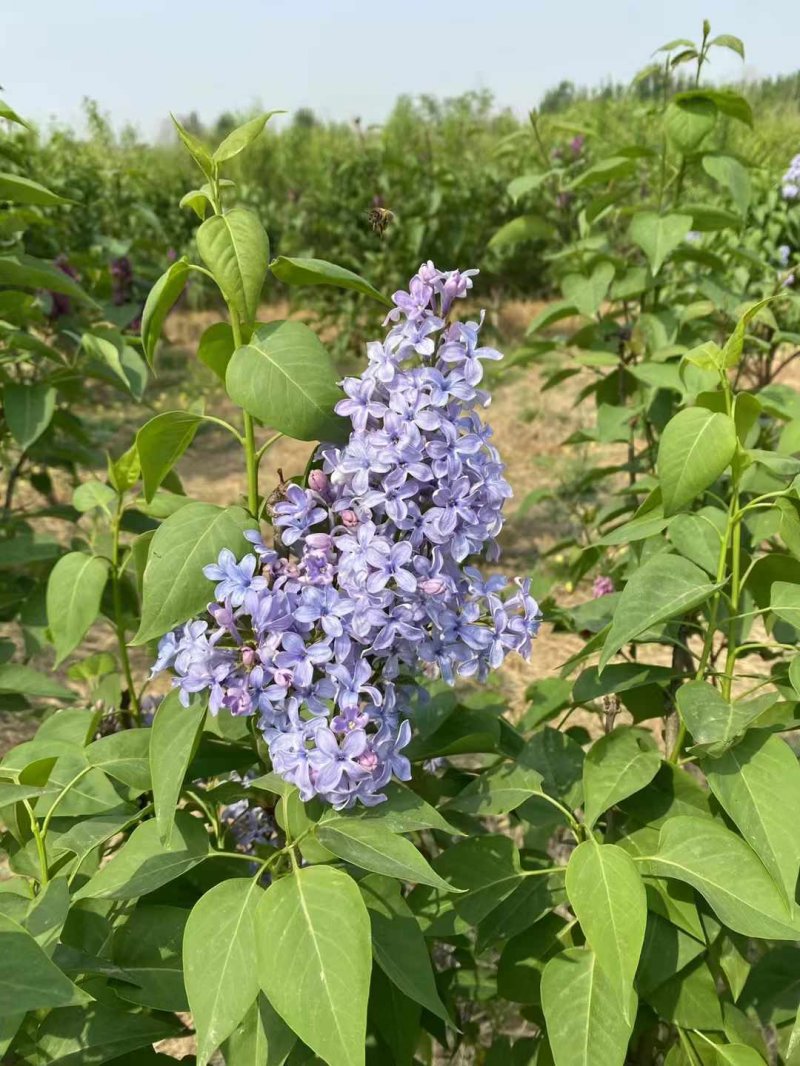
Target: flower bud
[
  {"x": 319, "y": 542},
  {"x": 349, "y": 519},
  {"x": 318, "y": 482}
]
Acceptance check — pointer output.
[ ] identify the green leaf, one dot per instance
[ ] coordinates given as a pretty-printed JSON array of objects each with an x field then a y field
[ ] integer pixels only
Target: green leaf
[
  {"x": 195, "y": 147},
  {"x": 689, "y": 998},
  {"x": 536, "y": 895},
  {"x": 82, "y": 1036},
  {"x": 665, "y": 952},
  {"x": 284, "y": 377},
  {"x": 727, "y": 40},
  {"x": 658, "y": 235},
  {"x": 19, "y": 190},
  {"x": 261, "y": 1039},
  {"x": 731, "y": 174},
  {"x": 74, "y": 591},
  {"x": 26, "y": 272},
  {"x": 28, "y": 979},
  {"x": 174, "y": 738},
  {"x": 607, "y": 895},
  {"x": 144, "y": 864},
  {"x": 369, "y": 844},
  {"x": 486, "y": 869},
  {"x": 320, "y": 272},
  {"x": 398, "y": 944},
  {"x": 522, "y": 960},
  {"x": 314, "y": 960},
  {"x": 665, "y": 587},
  {"x": 698, "y": 536},
  {"x": 123, "y": 756},
  {"x": 498, "y": 791},
  {"x": 403, "y": 811},
  {"x": 220, "y": 961},
  {"x": 785, "y": 602},
  {"x": 175, "y": 587},
  {"x": 93, "y": 494},
  {"x": 10, "y": 115},
  {"x": 86, "y": 834},
  {"x": 242, "y": 137},
  {"x": 160, "y": 301},
  {"x": 235, "y": 248},
  {"x": 148, "y": 948},
  {"x": 523, "y": 228},
  {"x": 697, "y": 445},
  {"x": 732, "y": 351},
  {"x": 605, "y": 170},
  {"x": 126, "y": 365},
  {"x": 587, "y": 294},
  {"x": 758, "y": 785},
  {"x": 585, "y": 1026},
  {"x": 28, "y": 411},
  {"x": 92, "y": 794},
  {"x": 617, "y": 766},
  {"x": 688, "y": 120},
  {"x": 215, "y": 348},
  {"x": 25, "y": 681},
  {"x": 559, "y": 759},
  {"x": 714, "y": 723},
  {"x": 161, "y": 442},
  {"x": 727, "y": 873}
]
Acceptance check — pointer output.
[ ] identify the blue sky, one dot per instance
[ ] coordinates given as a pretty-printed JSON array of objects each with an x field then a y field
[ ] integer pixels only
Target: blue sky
[{"x": 349, "y": 57}]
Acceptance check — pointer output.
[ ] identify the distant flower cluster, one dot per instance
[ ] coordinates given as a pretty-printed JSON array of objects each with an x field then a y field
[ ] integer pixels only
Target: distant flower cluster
[
  {"x": 791, "y": 180},
  {"x": 323, "y": 634}
]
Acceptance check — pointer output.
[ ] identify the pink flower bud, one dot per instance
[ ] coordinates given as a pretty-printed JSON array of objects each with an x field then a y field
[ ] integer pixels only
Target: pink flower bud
[
  {"x": 369, "y": 760},
  {"x": 318, "y": 482},
  {"x": 349, "y": 519},
  {"x": 432, "y": 586}
]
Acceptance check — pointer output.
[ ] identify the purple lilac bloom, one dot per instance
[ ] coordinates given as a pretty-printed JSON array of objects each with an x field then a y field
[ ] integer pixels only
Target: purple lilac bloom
[
  {"x": 121, "y": 280},
  {"x": 371, "y": 583},
  {"x": 60, "y": 304},
  {"x": 791, "y": 180}
]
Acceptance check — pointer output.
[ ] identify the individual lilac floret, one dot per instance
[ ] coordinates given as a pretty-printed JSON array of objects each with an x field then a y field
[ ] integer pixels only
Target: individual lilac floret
[
  {"x": 791, "y": 180},
  {"x": 368, "y": 585}
]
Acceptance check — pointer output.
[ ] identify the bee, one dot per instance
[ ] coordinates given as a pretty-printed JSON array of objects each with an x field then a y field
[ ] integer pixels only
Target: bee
[{"x": 380, "y": 218}]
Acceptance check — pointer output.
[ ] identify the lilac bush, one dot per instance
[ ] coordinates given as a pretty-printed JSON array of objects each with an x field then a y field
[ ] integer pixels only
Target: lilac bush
[{"x": 324, "y": 634}]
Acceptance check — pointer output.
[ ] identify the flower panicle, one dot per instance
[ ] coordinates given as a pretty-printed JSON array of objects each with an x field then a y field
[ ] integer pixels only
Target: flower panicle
[{"x": 325, "y": 639}]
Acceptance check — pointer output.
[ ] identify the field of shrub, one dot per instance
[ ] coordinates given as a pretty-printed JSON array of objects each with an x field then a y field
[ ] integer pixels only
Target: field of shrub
[{"x": 400, "y": 583}]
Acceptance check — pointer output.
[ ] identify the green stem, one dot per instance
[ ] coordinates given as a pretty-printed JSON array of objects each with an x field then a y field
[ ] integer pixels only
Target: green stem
[
  {"x": 251, "y": 460},
  {"x": 41, "y": 850},
  {"x": 60, "y": 796},
  {"x": 736, "y": 566},
  {"x": 686, "y": 1044},
  {"x": 250, "y": 455},
  {"x": 546, "y": 870},
  {"x": 575, "y": 825},
  {"x": 119, "y": 626},
  {"x": 267, "y": 445}
]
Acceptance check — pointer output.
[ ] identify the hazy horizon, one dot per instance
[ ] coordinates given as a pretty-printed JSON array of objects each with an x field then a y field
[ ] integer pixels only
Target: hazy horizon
[{"x": 138, "y": 65}]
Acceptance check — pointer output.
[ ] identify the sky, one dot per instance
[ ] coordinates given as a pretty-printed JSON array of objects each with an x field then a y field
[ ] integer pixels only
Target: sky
[{"x": 347, "y": 58}]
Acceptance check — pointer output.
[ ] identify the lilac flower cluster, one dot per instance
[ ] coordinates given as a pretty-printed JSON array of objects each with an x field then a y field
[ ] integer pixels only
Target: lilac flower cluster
[
  {"x": 791, "y": 180},
  {"x": 324, "y": 634}
]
